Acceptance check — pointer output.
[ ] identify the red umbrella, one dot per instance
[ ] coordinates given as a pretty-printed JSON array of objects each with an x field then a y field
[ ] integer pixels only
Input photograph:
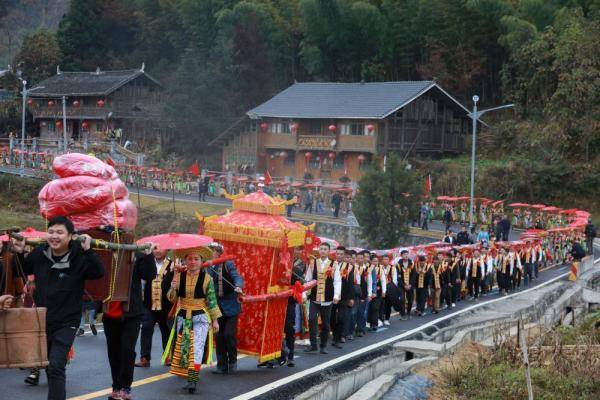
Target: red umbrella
[
  {"x": 177, "y": 241},
  {"x": 519, "y": 205},
  {"x": 582, "y": 214},
  {"x": 550, "y": 209},
  {"x": 538, "y": 206},
  {"x": 572, "y": 211}
]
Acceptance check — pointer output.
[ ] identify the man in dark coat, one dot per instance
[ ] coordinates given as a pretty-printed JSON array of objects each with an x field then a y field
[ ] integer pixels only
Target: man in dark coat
[
  {"x": 336, "y": 201},
  {"x": 60, "y": 267},
  {"x": 590, "y": 234},
  {"x": 463, "y": 236}
]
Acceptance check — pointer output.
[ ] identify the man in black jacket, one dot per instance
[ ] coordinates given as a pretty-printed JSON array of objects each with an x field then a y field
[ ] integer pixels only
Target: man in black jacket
[
  {"x": 156, "y": 304},
  {"x": 463, "y": 236},
  {"x": 590, "y": 234},
  {"x": 60, "y": 267},
  {"x": 122, "y": 328}
]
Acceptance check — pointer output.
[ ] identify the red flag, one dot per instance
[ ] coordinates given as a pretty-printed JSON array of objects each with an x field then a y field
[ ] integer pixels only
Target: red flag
[
  {"x": 268, "y": 179},
  {"x": 428, "y": 185},
  {"x": 195, "y": 169},
  {"x": 110, "y": 162}
]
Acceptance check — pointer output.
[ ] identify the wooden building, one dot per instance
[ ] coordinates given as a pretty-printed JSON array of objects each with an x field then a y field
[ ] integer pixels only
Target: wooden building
[
  {"x": 331, "y": 130},
  {"x": 98, "y": 105}
]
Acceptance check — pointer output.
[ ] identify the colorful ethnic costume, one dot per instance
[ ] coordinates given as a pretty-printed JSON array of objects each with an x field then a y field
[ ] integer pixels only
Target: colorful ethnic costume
[{"x": 196, "y": 309}]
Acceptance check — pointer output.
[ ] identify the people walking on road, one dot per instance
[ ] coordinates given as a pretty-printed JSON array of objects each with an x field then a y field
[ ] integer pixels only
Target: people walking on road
[
  {"x": 336, "y": 203},
  {"x": 590, "y": 234},
  {"x": 308, "y": 201},
  {"x": 228, "y": 285},
  {"x": 447, "y": 218}
]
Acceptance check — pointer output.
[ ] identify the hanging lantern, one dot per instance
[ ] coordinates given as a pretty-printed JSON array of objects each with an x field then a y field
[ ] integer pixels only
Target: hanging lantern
[
  {"x": 283, "y": 154},
  {"x": 30, "y": 102},
  {"x": 100, "y": 103},
  {"x": 331, "y": 156},
  {"x": 51, "y": 103},
  {"x": 264, "y": 126},
  {"x": 308, "y": 155},
  {"x": 370, "y": 128},
  {"x": 85, "y": 124},
  {"x": 361, "y": 158},
  {"x": 294, "y": 127},
  {"x": 58, "y": 124},
  {"x": 332, "y": 128},
  {"x": 76, "y": 103}
]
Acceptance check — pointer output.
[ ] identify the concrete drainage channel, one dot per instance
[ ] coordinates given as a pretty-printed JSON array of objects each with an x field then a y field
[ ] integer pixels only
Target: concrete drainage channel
[{"x": 373, "y": 374}]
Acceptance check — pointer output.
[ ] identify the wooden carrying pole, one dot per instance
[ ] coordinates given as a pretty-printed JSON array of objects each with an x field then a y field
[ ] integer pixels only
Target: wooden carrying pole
[{"x": 96, "y": 243}]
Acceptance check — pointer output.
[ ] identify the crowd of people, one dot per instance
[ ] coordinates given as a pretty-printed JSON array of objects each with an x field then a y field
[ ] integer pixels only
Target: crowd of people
[{"x": 355, "y": 292}]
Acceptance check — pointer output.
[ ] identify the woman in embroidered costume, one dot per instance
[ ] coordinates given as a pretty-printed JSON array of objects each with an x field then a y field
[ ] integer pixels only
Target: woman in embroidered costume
[{"x": 191, "y": 341}]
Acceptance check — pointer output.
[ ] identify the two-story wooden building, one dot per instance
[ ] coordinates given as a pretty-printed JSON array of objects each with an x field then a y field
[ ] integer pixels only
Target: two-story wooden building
[
  {"x": 331, "y": 130},
  {"x": 97, "y": 104}
]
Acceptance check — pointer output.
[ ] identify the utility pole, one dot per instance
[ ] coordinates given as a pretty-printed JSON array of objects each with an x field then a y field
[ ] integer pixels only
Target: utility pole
[
  {"x": 475, "y": 115},
  {"x": 64, "y": 104},
  {"x": 22, "y": 172}
]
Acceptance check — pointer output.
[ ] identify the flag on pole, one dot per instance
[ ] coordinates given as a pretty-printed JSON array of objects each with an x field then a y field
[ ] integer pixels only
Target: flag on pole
[
  {"x": 428, "y": 185},
  {"x": 268, "y": 179},
  {"x": 194, "y": 169}
]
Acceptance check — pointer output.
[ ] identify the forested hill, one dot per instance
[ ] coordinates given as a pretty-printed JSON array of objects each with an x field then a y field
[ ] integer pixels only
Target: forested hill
[{"x": 218, "y": 58}]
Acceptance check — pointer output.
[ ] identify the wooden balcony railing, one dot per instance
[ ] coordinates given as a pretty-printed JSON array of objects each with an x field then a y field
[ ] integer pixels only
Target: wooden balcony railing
[{"x": 56, "y": 112}]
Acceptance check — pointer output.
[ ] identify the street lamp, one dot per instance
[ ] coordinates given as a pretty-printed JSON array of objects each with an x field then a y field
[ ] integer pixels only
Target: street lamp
[
  {"x": 475, "y": 115},
  {"x": 24, "y": 82}
]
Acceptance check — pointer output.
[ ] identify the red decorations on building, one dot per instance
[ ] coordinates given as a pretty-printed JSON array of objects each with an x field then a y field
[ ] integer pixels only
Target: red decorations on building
[
  {"x": 294, "y": 127},
  {"x": 308, "y": 155},
  {"x": 361, "y": 158},
  {"x": 283, "y": 154},
  {"x": 370, "y": 128},
  {"x": 51, "y": 103},
  {"x": 332, "y": 128},
  {"x": 58, "y": 124},
  {"x": 85, "y": 124},
  {"x": 100, "y": 103},
  {"x": 76, "y": 103},
  {"x": 30, "y": 102},
  {"x": 264, "y": 126},
  {"x": 331, "y": 156}
]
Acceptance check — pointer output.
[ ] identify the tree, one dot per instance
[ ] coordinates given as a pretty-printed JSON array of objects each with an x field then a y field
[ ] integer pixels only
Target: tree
[
  {"x": 387, "y": 202},
  {"x": 38, "y": 57}
]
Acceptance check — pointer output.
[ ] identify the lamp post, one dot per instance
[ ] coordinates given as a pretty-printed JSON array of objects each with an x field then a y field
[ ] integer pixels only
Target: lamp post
[
  {"x": 475, "y": 115},
  {"x": 22, "y": 172}
]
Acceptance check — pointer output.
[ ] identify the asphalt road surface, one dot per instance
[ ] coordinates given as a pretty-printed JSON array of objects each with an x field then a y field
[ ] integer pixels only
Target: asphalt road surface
[{"x": 88, "y": 376}]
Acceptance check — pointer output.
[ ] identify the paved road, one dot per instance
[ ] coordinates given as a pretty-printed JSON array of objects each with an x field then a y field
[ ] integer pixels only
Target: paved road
[{"x": 88, "y": 376}]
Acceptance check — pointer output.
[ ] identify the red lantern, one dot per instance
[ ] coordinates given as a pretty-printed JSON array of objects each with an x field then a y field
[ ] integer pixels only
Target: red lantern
[
  {"x": 308, "y": 155},
  {"x": 30, "y": 102},
  {"x": 283, "y": 154},
  {"x": 58, "y": 124},
  {"x": 361, "y": 158},
  {"x": 331, "y": 156},
  {"x": 370, "y": 128},
  {"x": 100, "y": 103},
  {"x": 76, "y": 103},
  {"x": 51, "y": 103},
  {"x": 85, "y": 125},
  {"x": 294, "y": 127},
  {"x": 332, "y": 128},
  {"x": 264, "y": 126}
]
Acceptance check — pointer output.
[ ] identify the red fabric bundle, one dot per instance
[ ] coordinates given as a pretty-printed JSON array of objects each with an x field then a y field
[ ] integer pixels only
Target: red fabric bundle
[
  {"x": 78, "y": 194},
  {"x": 104, "y": 216},
  {"x": 89, "y": 192},
  {"x": 73, "y": 164}
]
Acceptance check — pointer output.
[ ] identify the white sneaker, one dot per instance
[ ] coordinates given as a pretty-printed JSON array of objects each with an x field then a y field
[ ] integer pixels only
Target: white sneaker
[
  {"x": 453, "y": 304},
  {"x": 379, "y": 323},
  {"x": 386, "y": 322}
]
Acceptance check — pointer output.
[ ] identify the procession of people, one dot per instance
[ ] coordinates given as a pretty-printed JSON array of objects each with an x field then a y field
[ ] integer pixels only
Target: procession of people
[{"x": 356, "y": 292}]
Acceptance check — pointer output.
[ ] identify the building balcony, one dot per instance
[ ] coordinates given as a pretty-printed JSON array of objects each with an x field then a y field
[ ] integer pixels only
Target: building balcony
[
  {"x": 314, "y": 142},
  {"x": 56, "y": 112},
  {"x": 356, "y": 143},
  {"x": 284, "y": 141}
]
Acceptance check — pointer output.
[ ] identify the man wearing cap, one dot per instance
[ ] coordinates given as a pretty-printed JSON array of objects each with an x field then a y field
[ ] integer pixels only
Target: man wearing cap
[
  {"x": 228, "y": 284},
  {"x": 322, "y": 296}
]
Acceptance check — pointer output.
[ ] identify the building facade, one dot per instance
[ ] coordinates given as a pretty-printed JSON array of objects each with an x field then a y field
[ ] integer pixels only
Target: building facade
[
  {"x": 330, "y": 131},
  {"x": 98, "y": 105}
]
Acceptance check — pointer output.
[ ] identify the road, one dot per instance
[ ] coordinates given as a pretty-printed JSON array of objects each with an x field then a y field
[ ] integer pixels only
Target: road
[{"x": 88, "y": 376}]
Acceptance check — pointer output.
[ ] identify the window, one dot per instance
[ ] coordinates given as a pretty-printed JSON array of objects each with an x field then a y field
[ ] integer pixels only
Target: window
[
  {"x": 357, "y": 129},
  {"x": 253, "y": 126},
  {"x": 338, "y": 162},
  {"x": 51, "y": 127},
  {"x": 314, "y": 163},
  {"x": 278, "y": 127},
  {"x": 314, "y": 127},
  {"x": 291, "y": 158}
]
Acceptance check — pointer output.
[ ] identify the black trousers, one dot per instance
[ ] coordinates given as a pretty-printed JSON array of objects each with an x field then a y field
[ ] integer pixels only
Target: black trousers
[
  {"x": 59, "y": 344},
  {"x": 344, "y": 312},
  {"x": 422, "y": 295},
  {"x": 455, "y": 291},
  {"x": 447, "y": 294},
  {"x": 121, "y": 338},
  {"x": 473, "y": 285},
  {"x": 392, "y": 302},
  {"x": 290, "y": 332},
  {"x": 149, "y": 320},
  {"x": 374, "y": 307},
  {"x": 226, "y": 341},
  {"x": 409, "y": 296},
  {"x": 314, "y": 311}
]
